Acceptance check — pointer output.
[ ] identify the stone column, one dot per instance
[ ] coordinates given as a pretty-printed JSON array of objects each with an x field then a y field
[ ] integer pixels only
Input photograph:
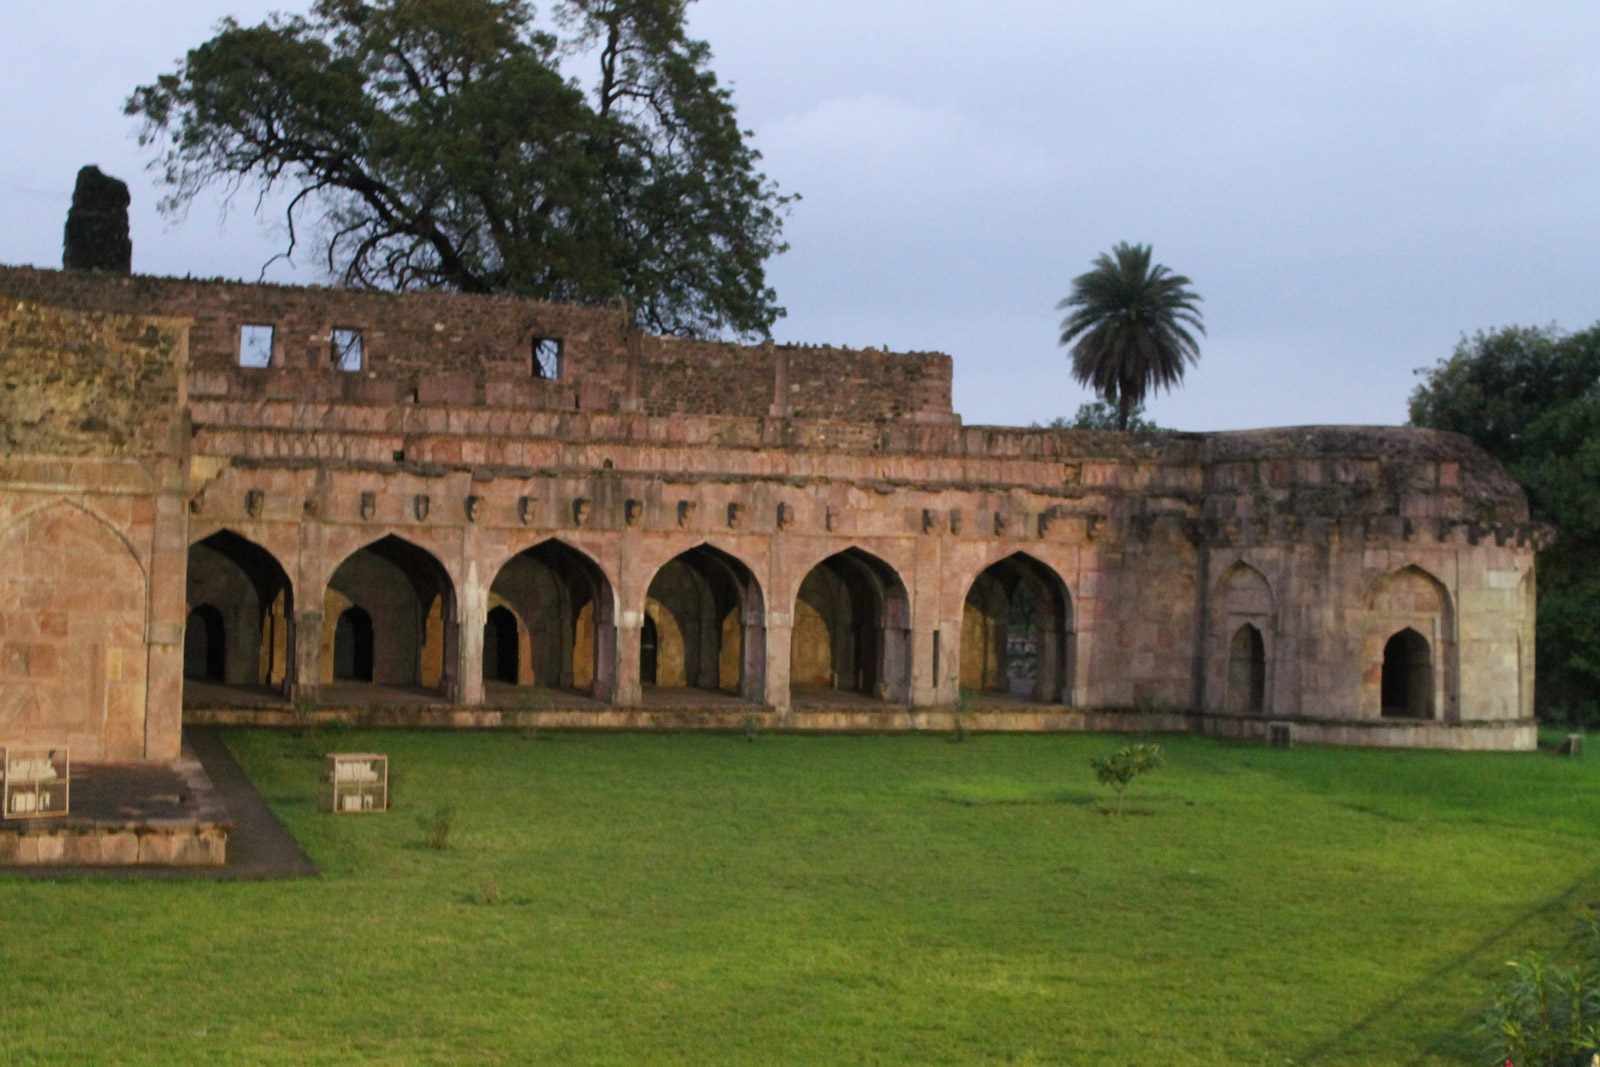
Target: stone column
[
  {"x": 628, "y": 691},
  {"x": 307, "y": 668},
  {"x": 469, "y": 671},
  {"x": 163, "y": 719},
  {"x": 779, "y": 634}
]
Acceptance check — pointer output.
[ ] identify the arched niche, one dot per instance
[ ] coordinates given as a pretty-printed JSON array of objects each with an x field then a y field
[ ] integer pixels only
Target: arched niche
[
  {"x": 708, "y": 620},
  {"x": 1406, "y": 686},
  {"x": 353, "y": 646},
  {"x": 852, "y": 629},
  {"x": 1239, "y": 647},
  {"x": 1017, "y": 633},
  {"x": 74, "y": 610},
  {"x": 251, "y": 592},
  {"x": 562, "y": 606},
  {"x": 407, "y": 596},
  {"x": 1408, "y": 654},
  {"x": 1247, "y": 672},
  {"x": 205, "y": 645}
]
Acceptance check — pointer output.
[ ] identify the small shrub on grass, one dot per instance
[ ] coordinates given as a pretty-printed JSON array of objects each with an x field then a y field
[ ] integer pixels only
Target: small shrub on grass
[
  {"x": 438, "y": 826},
  {"x": 750, "y": 726},
  {"x": 1548, "y": 1015},
  {"x": 1124, "y": 765}
]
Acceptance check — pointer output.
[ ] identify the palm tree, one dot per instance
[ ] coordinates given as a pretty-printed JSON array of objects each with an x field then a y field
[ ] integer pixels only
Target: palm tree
[{"x": 1128, "y": 323}]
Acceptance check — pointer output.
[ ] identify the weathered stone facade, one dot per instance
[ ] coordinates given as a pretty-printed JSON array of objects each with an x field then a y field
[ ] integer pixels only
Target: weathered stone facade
[{"x": 441, "y": 508}]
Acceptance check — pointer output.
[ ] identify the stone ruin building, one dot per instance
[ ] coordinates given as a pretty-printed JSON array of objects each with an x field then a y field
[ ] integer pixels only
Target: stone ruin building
[{"x": 223, "y": 502}]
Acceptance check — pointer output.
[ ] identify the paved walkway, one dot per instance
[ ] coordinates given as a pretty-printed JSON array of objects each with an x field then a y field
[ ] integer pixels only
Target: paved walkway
[{"x": 259, "y": 848}]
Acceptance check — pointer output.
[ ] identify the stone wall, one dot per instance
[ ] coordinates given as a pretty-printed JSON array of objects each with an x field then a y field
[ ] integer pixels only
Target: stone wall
[
  {"x": 804, "y": 529},
  {"x": 93, "y": 448}
]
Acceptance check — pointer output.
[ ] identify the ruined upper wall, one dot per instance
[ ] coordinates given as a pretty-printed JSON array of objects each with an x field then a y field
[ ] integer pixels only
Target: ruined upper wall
[
  {"x": 432, "y": 348},
  {"x": 76, "y": 384}
]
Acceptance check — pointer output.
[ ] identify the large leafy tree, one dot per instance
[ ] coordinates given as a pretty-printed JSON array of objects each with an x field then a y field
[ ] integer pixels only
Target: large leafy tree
[
  {"x": 1531, "y": 398},
  {"x": 1129, "y": 327},
  {"x": 438, "y": 144}
]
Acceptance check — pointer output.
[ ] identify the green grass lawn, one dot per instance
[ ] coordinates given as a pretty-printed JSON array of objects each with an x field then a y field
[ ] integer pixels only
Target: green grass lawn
[{"x": 695, "y": 899}]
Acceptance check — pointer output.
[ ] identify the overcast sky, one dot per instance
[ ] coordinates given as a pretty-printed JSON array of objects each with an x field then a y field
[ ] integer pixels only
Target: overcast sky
[{"x": 1350, "y": 185}]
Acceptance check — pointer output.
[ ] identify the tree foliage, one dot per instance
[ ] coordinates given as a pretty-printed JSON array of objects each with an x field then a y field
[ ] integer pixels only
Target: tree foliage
[
  {"x": 1098, "y": 415},
  {"x": 1129, "y": 327},
  {"x": 1531, "y": 398},
  {"x": 445, "y": 148},
  {"x": 1119, "y": 768}
]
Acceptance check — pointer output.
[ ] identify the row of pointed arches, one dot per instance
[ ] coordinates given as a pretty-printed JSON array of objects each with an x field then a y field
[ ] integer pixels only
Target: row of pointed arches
[{"x": 389, "y": 618}]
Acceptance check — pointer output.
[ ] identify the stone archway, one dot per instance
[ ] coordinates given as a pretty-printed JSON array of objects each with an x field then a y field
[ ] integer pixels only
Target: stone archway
[
  {"x": 852, "y": 629},
  {"x": 1016, "y": 633},
  {"x": 205, "y": 645},
  {"x": 1407, "y": 683},
  {"x": 707, "y": 615},
  {"x": 251, "y": 592},
  {"x": 1247, "y": 672},
  {"x": 562, "y": 607},
  {"x": 403, "y": 594},
  {"x": 1408, "y": 655}
]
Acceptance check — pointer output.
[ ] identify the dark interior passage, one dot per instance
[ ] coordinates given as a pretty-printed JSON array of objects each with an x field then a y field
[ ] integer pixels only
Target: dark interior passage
[
  {"x": 706, "y": 626},
  {"x": 1407, "y": 676},
  {"x": 241, "y": 605},
  {"x": 555, "y": 626},
  {"x": 500, "y": 646},
  {"x": 1247, "y": 671},
  {"x": 389, "y": 617},
  {"x": 1016, "y": 632},
  {"x": 205, "y": 653},
  {"x": 852, "y": 628},
  {"x": 352, "y": 646}
]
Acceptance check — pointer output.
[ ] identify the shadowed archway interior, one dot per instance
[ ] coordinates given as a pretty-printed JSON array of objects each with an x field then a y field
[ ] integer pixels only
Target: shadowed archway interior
[
  {"x": 248, "y": 614},
  {"x": 551, "y": 622},
  {"x": 706, "y": 626},
  {"x": 1016, "y": 633},
  {"x": 1247, "y": 671},
  {"x": 1407, "y": 676},
  {"x": 398, "y": 598},
  {"x": 852, "y": 628}
]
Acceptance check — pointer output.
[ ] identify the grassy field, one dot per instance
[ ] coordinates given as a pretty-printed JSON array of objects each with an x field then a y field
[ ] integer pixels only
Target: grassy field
[{"x": 699, "y": 899}]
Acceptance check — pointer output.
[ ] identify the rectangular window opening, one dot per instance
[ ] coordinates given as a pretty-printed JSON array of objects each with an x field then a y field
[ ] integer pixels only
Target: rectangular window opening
[
  {"x": 547, "y": 358},
  {"x": 255, "y": 346},
  {"x": 347, "y": 349}
]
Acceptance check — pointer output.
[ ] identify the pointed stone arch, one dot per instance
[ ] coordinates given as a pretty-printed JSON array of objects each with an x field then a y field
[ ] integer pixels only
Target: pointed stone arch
[
  {"x": 708, "y": 616},
  {"x": 73, "y": 659},
  {"x": 1017, "y": 635},
  {"x": 251, "y": 589},
  {"x": 852, "y": 628},
  {"x": 407, "y": 594},
  {"x": 1241, "y": 641},
  {"x": 1409, "y": 665},
  {"x": 565, "y": 610}
]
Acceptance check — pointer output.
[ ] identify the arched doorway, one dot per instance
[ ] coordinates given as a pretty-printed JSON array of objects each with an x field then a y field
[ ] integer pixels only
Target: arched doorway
[
  {"x": 558, "y": 608},
  {"x": 1247, "y": 671},
  {"x": 707, "y": 620},
  {"x": 1407, "y": 686},
  {"x": 205, "y": 649},
  {"x": 649, "y": 642},
  {"x": 852, "y": 628},
  {"x": 500, "y": 646},
  {"x": 1410, "y": 663},
  {"x": 250, "y": 593},
  {"x": 1016, "y": 633},
  {"x": 352, "y": 646},
  {"x": 395, "y": 606}
]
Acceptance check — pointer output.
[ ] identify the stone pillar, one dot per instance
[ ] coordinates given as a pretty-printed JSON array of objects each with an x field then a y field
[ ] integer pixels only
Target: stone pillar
[
  {"x": 779, "y": 633},
  {"x": 307, "y": 670},
  {"x": 163, "y": 718},
  {"x": 629, "y": 630},
  {"x": 469, "y": 671}
]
